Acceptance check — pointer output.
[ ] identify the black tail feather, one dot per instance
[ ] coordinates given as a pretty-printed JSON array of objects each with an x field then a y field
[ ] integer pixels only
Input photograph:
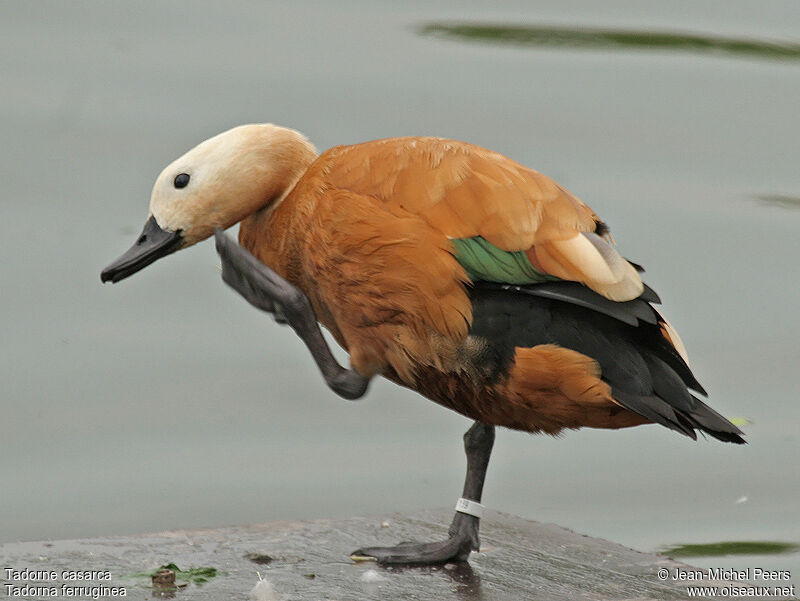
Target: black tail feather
[
  {"x": 657, "y": 410},
  {"x": 701, "y": 417},
  {"x": 714, "y": 424}
]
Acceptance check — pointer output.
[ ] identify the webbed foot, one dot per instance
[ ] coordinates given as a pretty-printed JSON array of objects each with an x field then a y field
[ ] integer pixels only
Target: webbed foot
[
  {"x": 463, "y": 539},
  {"x": 268, "y": 291}
]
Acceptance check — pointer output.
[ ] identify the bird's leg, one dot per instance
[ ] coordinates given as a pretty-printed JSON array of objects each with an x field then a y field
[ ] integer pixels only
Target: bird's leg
[
  {"x": 478, "y": 442},
  {"x": 266, "y": 290}
]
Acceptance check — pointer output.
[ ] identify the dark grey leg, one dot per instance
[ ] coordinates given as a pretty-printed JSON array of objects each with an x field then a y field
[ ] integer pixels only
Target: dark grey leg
[
  {"x": 478, "y": 442},
  {"x": 266, "y": 290}
]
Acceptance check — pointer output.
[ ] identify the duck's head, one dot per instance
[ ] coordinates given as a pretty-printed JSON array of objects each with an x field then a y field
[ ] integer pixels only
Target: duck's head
[{"x": 215, "y": 185}]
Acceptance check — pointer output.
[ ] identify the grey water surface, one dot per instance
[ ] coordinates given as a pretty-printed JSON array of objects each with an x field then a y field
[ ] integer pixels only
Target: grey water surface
[{"x": 165, "y": 401}]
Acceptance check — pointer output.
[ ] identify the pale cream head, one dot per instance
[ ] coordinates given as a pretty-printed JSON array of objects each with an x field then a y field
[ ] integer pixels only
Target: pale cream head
[{"x": 230, "y": 176}]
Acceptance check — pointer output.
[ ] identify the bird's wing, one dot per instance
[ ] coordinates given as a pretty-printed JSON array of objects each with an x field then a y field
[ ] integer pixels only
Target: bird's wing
[{"x": 508, "y": 223}]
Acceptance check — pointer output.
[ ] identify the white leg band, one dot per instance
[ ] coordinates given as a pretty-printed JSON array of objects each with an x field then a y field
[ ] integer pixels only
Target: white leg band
[{"x": 469, "y": 507}]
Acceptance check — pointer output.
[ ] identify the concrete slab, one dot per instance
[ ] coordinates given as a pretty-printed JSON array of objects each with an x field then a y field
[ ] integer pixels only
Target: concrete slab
[{"x": 521, "y": 560}]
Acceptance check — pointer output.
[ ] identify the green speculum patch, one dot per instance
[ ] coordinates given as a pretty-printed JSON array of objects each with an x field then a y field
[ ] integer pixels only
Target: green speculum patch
[{"x": 484, "y": 261}]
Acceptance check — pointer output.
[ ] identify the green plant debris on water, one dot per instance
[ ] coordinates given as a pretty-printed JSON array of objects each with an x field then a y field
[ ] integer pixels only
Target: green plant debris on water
[
  {"x": 198, "y": 575},
  {"x": 732, "y": 548},
  {"x": 780, "y": 200},
  {"x": 613, "y": 39}
]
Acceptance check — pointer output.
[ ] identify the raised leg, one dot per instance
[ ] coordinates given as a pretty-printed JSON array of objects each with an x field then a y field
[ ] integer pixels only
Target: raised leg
[
  {"x": 478, "y": 442},
  {"x": 266, "y": 290}
]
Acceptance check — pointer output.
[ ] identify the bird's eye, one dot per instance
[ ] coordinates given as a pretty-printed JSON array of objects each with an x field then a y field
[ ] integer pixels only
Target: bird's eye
[{"x": 181, "y": 180}]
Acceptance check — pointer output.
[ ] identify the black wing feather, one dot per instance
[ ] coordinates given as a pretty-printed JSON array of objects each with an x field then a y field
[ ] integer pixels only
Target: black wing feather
[{"x": 645, "y": 372}]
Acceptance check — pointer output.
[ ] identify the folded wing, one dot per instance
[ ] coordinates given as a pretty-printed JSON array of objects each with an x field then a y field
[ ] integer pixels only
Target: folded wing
[{"x": 479, "y": 198}]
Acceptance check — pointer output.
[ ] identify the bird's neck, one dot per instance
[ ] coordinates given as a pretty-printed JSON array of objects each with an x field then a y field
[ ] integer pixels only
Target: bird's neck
[
  {"x": 275, "y": 233},
  {"x": 278, "y": 236}
]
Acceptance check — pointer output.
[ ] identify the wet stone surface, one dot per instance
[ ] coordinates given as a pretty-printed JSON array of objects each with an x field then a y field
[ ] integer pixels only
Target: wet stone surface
[{"x": 520, "y": 559}]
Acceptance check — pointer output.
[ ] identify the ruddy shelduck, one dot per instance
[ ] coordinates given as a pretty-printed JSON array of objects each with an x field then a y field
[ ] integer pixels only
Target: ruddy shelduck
[{"x": 444, "y": 267}]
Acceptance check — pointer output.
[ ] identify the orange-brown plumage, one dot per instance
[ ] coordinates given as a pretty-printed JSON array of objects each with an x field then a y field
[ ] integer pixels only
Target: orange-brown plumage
[
  {"x": 444, "y": 267},
  {"x": 460, "y": 189},
  {"x": 547, "y": 389},
  {"x": 366, "y": 234}
]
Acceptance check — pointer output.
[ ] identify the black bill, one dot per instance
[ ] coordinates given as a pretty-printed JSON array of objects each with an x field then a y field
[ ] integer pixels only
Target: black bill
[{"x": 152, "y": 244}]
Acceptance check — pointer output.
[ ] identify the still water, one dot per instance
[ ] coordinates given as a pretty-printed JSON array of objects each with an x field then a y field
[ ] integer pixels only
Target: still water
[{"x": 167, "y": 402}]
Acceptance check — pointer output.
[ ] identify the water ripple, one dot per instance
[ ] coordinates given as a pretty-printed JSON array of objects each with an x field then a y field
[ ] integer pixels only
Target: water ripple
[
  {"x": 780, "y": 200},
  {"x": 613, "y": 39},
  {"x": 731, "y": 548}
]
